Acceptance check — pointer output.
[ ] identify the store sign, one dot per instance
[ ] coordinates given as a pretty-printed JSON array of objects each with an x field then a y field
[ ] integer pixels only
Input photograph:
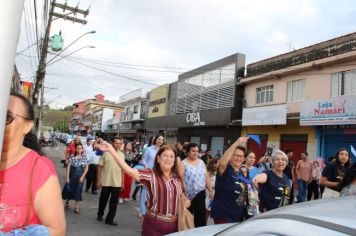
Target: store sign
[
  {"x": 194, "y": 118},
  {"x": 333, "y": 111},
  {"x": 266, "y": 115},
  {"x": 157, "y": 105},
  {"x": 157, "y": 102},
  {"x": 155, "y": 110}
]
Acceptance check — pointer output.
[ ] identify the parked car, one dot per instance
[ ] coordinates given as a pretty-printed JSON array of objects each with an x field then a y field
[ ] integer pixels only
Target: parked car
[
  {"x": 47, "y": 139},
  {"x": 321, "y": 217}
]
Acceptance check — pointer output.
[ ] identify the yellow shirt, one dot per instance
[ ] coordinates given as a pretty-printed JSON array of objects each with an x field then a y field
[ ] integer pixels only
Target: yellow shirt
[{"x": 111, "y": 175}]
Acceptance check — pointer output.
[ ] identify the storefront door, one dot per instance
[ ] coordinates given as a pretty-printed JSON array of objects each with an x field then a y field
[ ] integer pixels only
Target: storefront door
[
  {"x": 217, "y": 146},
  {"x": 195, "y": 139},
  {"x": 296, "y": 142}
]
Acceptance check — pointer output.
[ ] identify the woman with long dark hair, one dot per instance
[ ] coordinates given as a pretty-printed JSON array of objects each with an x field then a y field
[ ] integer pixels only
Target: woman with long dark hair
[
  {"x": 164, "y": 189},
  {"x": 24, "y": 171},
  {"x": 348, "y": 183},
  {"x": 335, "y": 170},
  {"x": 75, "y": 174}
]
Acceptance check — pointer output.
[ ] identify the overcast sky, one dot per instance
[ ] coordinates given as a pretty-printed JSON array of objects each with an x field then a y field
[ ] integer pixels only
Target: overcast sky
[{"x": 153, "y": 41}]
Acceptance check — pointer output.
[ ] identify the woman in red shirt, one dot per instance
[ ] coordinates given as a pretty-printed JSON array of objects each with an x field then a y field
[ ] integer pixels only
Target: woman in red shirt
[
  {"x": 164, "y": 189},
  {"x": 29, "y": 187}
]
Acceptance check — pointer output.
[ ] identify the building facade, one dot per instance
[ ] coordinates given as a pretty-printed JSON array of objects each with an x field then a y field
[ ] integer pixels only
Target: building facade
[
  {"x": 132, "y": 119},
  {"x": 204, "y": 105},
  {"x": 92, "y": 116},
  {"x": 304, "y": 100}
]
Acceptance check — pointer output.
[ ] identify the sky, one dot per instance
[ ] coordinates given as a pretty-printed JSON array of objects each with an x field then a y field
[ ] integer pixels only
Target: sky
[{"x": 144, "y": 44}]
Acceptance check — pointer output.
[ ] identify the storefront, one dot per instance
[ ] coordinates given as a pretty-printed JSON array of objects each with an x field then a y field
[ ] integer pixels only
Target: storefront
[
  {"x": 211, "y": 129},
  {"x": 334, "y": 120},
  {"x": 277, "y": 130}
]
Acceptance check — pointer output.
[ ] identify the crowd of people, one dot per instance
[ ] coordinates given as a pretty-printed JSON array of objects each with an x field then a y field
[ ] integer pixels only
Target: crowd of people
[{"x": 232, "y": 188}]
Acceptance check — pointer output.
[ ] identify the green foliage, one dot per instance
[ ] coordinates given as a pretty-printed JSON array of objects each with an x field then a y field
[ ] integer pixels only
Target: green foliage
[
  {"x": 61, "y": 126},
  {"x": 68, "y": 108},
  {"x": 58, "y": 119}
]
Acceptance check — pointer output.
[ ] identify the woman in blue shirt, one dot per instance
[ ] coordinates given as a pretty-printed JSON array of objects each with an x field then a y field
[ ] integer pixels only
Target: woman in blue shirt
[
  {"x": 273, "y": 185},
  {"x": 75, "y": 173},
  {"x": 148, "y": 161},
  {"x": 229, "y": 202},
  {"x": 250, "y": 163}
]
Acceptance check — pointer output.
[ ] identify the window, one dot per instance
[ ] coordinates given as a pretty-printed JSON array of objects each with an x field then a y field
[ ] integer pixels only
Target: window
[
  {"x": 295, "y": 90},
  {"x": 343, "y": 83},
  {"x": 135, "y": 109},
  {"x": 264, "y": 94},
  {"x": 206, "y": 90}
]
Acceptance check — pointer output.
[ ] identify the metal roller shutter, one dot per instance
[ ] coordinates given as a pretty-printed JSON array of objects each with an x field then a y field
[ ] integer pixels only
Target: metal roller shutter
[
  {"x": 253, "y": 146},
  {"x": 333, "y": 142},
  {"x": 296, "y": 142}
]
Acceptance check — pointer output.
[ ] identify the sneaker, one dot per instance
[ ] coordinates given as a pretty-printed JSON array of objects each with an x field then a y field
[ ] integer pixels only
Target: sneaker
[{"x": 120, "y": 200}]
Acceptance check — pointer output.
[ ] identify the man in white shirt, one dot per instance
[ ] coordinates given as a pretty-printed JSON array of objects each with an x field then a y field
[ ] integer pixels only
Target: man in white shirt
[{"x": 93, "y": 166}]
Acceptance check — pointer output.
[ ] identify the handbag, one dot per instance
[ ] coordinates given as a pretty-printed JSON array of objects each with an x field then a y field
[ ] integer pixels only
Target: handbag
[
  {"x": 330, "y": 193},
  {"x": 185, "y": 218},
  {"x": 66, "y": 191}
]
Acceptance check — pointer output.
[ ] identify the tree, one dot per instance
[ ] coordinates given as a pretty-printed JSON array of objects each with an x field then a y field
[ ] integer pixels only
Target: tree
[
  {"x": 61, "y": 126},
  {"x": 68, "y": 108}
]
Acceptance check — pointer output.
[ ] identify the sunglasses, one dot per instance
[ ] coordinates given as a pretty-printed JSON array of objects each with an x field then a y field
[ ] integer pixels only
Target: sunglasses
[{"x": 10, "y": 117}]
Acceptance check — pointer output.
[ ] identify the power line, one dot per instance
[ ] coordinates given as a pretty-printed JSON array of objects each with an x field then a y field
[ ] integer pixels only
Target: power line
[
  {"x": 28, "y": 38},
  {"x": 127, "y": 64},
  {"x": 32, "y": 30},
  {"x": 109, "y": 72},
  {"x": 35, "y": 9},
  {"x": 140, "y": 65},
  {"x": 132, "y": 68}
]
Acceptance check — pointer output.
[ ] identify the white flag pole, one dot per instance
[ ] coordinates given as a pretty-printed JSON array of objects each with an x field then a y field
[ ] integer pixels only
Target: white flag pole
[{"x": 10, "y": 24}]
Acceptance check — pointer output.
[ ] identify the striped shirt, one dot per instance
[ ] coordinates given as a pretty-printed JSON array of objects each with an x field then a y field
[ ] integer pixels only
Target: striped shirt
[{"x": 162, "y": 194}]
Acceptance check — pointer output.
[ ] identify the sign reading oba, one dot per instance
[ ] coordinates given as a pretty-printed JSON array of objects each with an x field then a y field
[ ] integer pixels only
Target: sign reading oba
[{"x": 193, "y": 117}]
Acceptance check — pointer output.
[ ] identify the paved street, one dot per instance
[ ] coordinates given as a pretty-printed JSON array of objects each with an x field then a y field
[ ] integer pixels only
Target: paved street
[{"x": 85, "y": 223}]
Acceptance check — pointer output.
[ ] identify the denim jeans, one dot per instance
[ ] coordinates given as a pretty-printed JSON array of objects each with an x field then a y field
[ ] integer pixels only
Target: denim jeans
[
  {"x": 31, "y": 230},
  {"x": 302, "y": 190}
]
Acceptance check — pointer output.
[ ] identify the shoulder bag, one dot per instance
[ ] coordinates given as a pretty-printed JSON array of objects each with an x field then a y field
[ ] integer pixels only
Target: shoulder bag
[{"x": 185, "y": 218}]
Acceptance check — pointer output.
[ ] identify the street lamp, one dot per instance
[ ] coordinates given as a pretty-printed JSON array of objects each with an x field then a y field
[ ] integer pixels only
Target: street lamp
[
  {"x": 90, "y": 32},
  {"x": 62, "y": 57},
  {"x": 41, "y": 75}
]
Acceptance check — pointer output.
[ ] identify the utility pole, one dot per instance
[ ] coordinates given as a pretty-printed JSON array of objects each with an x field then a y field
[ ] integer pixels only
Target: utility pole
[
  {"x": 40, "y": 115},
  {"x": 41, "y": 72}
]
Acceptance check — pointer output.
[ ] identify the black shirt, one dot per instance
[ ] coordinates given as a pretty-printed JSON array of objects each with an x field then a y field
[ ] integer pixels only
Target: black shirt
[
  {"x": 206, "y": 158},
  {"x": 288, "y": 170},
  {"x": 275, "y": 192}
]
